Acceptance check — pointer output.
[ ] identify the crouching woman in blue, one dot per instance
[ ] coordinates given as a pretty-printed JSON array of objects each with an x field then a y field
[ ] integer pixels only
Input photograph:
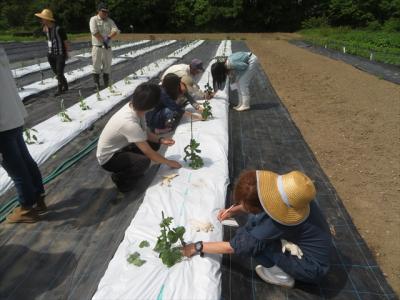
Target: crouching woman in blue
[
  {"x": 284, "y": 211},
  {"x": 166, "y": 116},
  {"x": 240, "y": 67}
]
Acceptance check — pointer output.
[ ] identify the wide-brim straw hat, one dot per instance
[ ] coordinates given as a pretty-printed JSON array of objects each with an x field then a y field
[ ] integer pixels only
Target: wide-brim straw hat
[
  {"x": 285, "y": 198},
  {"x": 46, "y": 14}
]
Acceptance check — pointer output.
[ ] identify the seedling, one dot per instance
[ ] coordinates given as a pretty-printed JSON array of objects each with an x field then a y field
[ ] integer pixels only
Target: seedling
[
  {"x": 144, "y": 244},
  {"x": 30, "y": 136},
  {"x": 135, "y": 259},
  {"x": 63, "y": 113},
  {"x": 191, "y": 150},
  {"x": 126, "y": 80},
  {"x": 42, "y": 77},
  {"x": 169, "y": 254},
  {"x": 206, "y": 113},
  {"x": 82, "y": 103}
]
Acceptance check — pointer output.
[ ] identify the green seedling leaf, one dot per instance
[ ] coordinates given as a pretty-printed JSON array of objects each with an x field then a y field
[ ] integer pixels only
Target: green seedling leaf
[
  {"x": 144, "y": 244},
  {"x": 135, "y": 259}
]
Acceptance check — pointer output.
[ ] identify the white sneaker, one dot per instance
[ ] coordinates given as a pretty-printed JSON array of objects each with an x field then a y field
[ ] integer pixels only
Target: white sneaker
[
  {"x": 275, "y": 275},
  {"x": 241, "y": 108}
]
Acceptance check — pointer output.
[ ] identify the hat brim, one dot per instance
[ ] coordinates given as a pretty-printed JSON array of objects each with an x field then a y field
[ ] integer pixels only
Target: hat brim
[
  {"x": 39, "y": 15},
  {"x": 273, "y": 204}
]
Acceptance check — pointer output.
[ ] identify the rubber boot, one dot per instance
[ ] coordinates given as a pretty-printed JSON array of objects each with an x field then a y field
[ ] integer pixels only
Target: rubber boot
[
  {"x": 245, "y": 104},
  {"x": 59, "y": 89},
  {"x": 23, "y": 215},
  {"x": 96, "y": 78},
  {"x": 239, "y": 103},
  {"x": 106, "y": 79},
  {"x": 64, "y": 84}
]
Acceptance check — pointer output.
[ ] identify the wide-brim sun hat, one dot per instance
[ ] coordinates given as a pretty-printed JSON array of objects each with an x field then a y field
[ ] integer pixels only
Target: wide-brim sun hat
[
  {"x": 285, "y": 198},
  {"x": 46, "y": 14}
]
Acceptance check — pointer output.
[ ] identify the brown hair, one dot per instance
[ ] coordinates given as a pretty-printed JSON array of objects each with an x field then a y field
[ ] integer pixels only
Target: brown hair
[{"x": 245, "y": 191}]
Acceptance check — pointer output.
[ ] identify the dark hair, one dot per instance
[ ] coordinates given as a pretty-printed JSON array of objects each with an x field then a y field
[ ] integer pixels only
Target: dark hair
[
  {"x": 146, "y": 96},
  {"x": 171, "y": 84},
  {"x": 245, "y": 192},
  {"x": 218, "y": 72}
]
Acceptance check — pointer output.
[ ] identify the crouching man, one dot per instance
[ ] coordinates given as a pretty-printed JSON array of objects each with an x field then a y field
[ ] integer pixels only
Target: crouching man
[{"x": 125, "y": 146}]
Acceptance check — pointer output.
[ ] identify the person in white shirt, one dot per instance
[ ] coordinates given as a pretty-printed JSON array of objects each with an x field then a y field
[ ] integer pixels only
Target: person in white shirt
[
  {"x": 126, "y": 146},
  {"x": 103, "y": 30},
  {"x": 14, "y": 155}
]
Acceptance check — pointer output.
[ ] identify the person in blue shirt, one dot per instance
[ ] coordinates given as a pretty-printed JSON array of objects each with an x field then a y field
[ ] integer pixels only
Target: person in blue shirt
[
  {"x": 166, "y": 116},
  {"x": 282, "y": 209},
  {"x": 240, "y": 67}
]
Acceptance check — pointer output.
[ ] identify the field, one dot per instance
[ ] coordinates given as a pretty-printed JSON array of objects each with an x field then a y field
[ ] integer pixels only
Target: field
[{"x": 349, "y": 119}]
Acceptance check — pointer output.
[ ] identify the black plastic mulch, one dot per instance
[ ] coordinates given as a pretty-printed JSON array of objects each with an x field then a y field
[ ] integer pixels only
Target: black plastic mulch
[
  {"x": 266, "y": 138},
  {"x": 66, "y": 255},
  {"x": 381, "y": 70}
]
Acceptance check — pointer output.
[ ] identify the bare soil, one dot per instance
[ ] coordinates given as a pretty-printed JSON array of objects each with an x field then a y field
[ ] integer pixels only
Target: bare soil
[{"x": 351, "y": 121}]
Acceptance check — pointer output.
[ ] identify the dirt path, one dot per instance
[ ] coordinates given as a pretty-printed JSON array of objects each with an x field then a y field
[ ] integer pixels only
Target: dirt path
[{"x": 351, "y": 120}]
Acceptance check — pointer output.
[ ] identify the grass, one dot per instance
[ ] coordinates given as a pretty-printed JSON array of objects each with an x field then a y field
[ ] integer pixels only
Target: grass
[
  {"x": 385, "y": 46},
  {"x": 9, "y": 37}
]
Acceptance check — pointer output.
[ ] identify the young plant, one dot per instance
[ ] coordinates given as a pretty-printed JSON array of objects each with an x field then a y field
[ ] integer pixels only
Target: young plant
[
  {"x": 30, "y": 136},
  {"x": 126, "y": 80},
  {"x": 169, "y": 254},
  {"x": 63, "y": 113},
  {"x": 82, "y": 103},
  {"x": 42, "y": 77},
  {"x": 191, "y": 150},
  {"x": 135, "y": 259},
  {"x": 207, "y": 110},
  {"x": 144, "y": 244}
]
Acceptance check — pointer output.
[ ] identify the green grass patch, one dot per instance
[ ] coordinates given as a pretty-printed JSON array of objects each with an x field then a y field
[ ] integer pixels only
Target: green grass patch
[
  {"x": 13, "y": 37},
  {"x": 385, "y": 46}
]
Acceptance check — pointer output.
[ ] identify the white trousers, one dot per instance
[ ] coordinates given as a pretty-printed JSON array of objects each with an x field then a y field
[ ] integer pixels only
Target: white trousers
[{"x": 101, "y": 58}]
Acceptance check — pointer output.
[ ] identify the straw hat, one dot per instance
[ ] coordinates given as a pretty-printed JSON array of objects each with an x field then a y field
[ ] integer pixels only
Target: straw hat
[
  {"x": 285, "y": 198},
  {"x": 46, "y": 14}
]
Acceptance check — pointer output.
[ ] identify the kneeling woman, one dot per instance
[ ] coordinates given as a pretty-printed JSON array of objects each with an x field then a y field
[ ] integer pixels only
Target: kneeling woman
[
  {"x": 240, "y": 67},
  {"x": 167, "y": 114},
  {"x": 284, "y": 210},
  {"x": 125, "y": 146}
]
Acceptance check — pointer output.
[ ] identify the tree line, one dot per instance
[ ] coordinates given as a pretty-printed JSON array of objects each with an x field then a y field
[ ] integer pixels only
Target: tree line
[{"x": 204, "y": 15}]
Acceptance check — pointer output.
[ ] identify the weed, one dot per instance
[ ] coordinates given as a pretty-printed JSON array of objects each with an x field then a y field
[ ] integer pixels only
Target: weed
[{"x": 63, "y": 113}]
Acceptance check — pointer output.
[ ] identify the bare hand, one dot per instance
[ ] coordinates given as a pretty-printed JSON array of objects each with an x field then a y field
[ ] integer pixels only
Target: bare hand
[
  {"x": 174, "y": 164},
  {"x": 188, "y": 250},
  {"x": 167, "y": 141},
  {"x": 223, "y": 215},
  {"x": 209, "y": 95}
]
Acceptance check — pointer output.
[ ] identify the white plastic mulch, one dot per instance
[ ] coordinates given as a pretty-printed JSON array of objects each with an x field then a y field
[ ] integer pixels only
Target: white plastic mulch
[
  {"x": 49, "y": 83},
  {"x": 48, "y": 132},
  {"x": 194, "y": 195}
]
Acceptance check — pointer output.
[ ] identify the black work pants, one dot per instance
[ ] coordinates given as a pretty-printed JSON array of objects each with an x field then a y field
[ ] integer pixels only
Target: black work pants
[
  {"x": 129, "y": 163},
  {"x": 57, "y": 64}
]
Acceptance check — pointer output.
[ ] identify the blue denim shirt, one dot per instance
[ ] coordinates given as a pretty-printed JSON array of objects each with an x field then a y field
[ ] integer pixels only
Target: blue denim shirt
[
  {"x": 312, "y": 236},
  {"x": 238, "y": 62}
]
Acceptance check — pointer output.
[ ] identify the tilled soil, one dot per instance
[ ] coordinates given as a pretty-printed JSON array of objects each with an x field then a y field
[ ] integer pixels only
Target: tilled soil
[{"x": 351, "y": 121}]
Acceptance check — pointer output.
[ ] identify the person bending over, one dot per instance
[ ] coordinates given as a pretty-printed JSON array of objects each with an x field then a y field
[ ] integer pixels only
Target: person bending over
[
  {"x": 282, "y": 210},
  {"x": 125, "y": 146},
  {"x": 240, "y": 67},
  {"x": 166, "y": 116}
]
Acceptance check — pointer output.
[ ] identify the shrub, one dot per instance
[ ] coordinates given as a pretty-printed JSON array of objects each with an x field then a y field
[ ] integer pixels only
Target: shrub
[
  {"x": 374, "y": 26},
  {"x": 315, "y": 22},
  {"x": 392, "y": 25}
]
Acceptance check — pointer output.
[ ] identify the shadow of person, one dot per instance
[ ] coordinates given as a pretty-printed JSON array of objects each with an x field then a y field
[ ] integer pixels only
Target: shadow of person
[
  {"x": 28, "y": 274},
  {"x": 263, "y": 106}
]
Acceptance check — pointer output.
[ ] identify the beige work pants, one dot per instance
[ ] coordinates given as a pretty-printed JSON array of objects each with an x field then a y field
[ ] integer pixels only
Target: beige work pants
[{"x": 101, "y": 58}]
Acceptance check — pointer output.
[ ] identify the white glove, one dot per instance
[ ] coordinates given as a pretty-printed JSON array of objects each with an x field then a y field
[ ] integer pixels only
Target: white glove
[{"x": 292, "y": 248}]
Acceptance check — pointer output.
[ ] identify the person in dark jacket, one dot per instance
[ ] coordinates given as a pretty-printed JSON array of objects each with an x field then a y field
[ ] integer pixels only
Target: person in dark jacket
[
  {"x": 166, "y": 116},
  {"x": 58, "y": 48},
  {"x": 283, "y": 210}
]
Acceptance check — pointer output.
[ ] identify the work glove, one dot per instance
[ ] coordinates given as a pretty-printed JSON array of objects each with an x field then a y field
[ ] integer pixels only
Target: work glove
[{"x": 292, "y": 248}]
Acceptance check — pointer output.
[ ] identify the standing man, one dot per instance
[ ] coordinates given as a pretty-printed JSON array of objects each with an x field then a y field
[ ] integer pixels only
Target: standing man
[
  {"x": 103, "y": 29},
  {"x": 58, "y": 48},
  {"x": 14, "y": 155}
]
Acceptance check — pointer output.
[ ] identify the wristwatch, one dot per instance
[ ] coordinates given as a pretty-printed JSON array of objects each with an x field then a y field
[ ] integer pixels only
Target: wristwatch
[{"x": 198, "y": 246}]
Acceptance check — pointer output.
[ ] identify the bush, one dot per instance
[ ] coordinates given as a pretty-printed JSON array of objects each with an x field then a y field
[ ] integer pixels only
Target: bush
[
  {"x": 392, "y": 25},
  {"x": 374, "y": 26},
  {"x": 315, "y": 22}
]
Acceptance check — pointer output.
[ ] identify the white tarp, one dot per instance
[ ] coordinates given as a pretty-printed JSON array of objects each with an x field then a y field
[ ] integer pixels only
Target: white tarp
[
  {"x": 22, "y": 71},
  {"x": 71, "y": 76},
  {"x": 48, "y": 132},
  {"x": 193, "y": 195}
]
